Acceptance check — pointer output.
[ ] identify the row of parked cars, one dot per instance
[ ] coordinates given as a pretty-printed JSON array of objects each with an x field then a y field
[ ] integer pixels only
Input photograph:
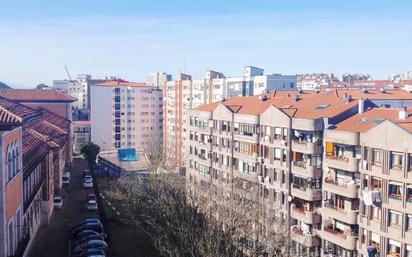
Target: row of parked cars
[{"x": 88, "y": 239}]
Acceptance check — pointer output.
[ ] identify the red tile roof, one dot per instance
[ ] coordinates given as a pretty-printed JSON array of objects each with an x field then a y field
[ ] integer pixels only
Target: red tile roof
[
  {"x": 36, "y": 95},
  {"x": 15, "y": 113},
  {"x": 372, "y": 117},
  {"x": 310, "y": 106}
]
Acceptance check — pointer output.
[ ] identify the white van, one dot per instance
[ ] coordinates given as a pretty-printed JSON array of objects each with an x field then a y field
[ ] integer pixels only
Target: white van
[{"x": 66, "y": 179}]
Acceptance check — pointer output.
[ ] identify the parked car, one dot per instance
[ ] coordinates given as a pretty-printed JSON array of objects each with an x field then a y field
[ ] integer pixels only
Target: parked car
[
  {"x": 88, "y": 182},
  {"x": 87, "y": 232},
  {"x": 87, "y": 221},
  {"x": 85, "y": 239},
  {"x": 87, "y": 173},
  {"x": 58, "y": 202},
  {"x": 92, "y": 244},
  {"x": 91, "y": 205},
  {"x": 91, "y": 197},
  {"x": 66, "y": 179},
  {"x": 90, "y": 253},
  {"x": 95, "y": 227}
]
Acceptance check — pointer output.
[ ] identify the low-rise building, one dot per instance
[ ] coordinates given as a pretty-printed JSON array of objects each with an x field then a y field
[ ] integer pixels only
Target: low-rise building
[{"x": 81, "y": 133}]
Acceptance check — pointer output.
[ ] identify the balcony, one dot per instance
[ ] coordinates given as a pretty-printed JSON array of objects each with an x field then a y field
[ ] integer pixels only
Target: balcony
[
  {"x": 277, "y": 141},
  {"x": 306, "y": 170},
  {"x": 306, "y": 239},
  {"x": 342, "y": 163},
  {"x": 347, "y": 216},
  {"x": 346, "y": 189},
  {"x": 306, "y": 147},
  {"x": 345, "y": 239},
  {"x": 307, "y": 194},
  {"x": 245, "y": 137},
  {"x": 309, "y": 217}
]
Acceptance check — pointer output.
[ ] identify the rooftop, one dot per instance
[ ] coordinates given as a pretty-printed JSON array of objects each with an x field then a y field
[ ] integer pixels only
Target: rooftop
[
  {"x": 139, "y": 165},
  {"x": 15, "y": 113},
  {"x": 122, "y": 83},
  {"x": 298, "y": 105},
  {"x": 36, "y": 95},
  {"x": 372, "y": 117}
]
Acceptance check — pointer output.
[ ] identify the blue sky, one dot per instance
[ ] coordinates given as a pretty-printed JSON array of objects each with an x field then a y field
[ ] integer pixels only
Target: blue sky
[{"x": 134, "y": 38}]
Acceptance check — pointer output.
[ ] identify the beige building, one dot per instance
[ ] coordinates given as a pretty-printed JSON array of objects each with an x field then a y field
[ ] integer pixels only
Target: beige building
[{"x": 308, "y": 168}]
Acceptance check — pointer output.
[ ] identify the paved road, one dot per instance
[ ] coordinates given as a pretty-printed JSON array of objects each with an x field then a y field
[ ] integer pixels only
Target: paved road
[{"x": 53, "y": 240}]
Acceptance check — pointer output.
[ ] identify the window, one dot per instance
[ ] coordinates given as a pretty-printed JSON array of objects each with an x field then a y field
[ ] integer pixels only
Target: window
[
  {"x": 409, "y": 222},
  {"x": 396, "y": 160},
  {"x": 395, "y": 218},
  {"x": 377, "y": 157},
  {"x": 395, "y": 191},
  {"x": 394, "y": 248},
  {"x": 11, "y": 250}
]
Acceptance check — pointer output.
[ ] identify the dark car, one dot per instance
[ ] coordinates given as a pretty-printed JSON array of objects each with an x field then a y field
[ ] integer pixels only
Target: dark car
[
  {"x": 90, "y": 252},
  {"x": 92, "y": 244},
  {"x": 87, "y": 221},
  {"x": 85, "y": 239},
  {"x": 85, "y": 233},
  {"x": 88, "y": 226}
]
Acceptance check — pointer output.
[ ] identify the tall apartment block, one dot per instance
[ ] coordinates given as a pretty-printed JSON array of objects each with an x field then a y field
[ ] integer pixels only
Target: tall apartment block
[
  {"x": 183, "y": 94},
  {"x": 334, "y": 163},
  {"x": 125, "y": 114}
]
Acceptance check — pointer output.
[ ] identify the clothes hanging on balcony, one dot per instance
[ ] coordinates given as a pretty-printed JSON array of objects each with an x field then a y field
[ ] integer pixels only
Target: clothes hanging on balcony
[
  {"x": 376, "y": 198},
  {"x": 371, "y": 251},
  {"x": 367, "y": 196}
]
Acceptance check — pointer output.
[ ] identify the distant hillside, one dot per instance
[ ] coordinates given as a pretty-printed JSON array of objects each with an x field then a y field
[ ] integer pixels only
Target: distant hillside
[{"x": 3, "y": 86}]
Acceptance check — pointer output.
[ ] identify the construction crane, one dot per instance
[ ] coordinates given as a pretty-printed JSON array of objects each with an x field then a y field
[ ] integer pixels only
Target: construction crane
[{"x": 68, "y": 74}]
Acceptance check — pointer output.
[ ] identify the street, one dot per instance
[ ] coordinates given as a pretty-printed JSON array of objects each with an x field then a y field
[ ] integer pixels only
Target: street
[{"x": 53, "y": 239}]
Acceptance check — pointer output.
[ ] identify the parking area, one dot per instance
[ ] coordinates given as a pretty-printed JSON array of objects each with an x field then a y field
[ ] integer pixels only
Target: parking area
[{"x": 54, "y": 239}]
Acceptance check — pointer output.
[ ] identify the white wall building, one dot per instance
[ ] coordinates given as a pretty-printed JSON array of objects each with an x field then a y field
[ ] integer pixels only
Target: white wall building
[{"x": 125, "y": 114}]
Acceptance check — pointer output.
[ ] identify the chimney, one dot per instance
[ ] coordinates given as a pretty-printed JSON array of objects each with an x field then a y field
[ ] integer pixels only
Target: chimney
[
  {"x": 361, "y": 106},
  {"x": 403, "y": 114}
]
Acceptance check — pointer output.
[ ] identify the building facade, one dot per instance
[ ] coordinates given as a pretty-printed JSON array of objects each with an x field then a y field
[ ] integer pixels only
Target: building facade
[
  {"x": 183, "y": 94},
  {"x": 125, "y": 114},
  {"x": 82, "y": 134},
  {"x": 311, "y": 157}
]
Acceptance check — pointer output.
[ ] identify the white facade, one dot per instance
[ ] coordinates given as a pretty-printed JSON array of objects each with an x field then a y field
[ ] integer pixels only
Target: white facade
[
  {"x": 125, "y": 114},
  {"x": 158, "y": 79}
]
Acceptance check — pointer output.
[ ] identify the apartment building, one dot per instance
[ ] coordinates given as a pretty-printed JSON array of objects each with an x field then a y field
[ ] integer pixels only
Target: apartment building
[
  {"x": 125, "y": 114},
  {"x": 308, "y": 169},
  {"x": 78, "y": 88},
  {"x": 82, "y": 134},
  {"x": 184, "y": 94},
  {"x": 34, "y": 152},
  {"x": 368, "y": 189}
]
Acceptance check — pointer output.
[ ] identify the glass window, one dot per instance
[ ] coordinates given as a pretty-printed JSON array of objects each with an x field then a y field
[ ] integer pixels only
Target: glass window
[{"x": 396, "y": 160}]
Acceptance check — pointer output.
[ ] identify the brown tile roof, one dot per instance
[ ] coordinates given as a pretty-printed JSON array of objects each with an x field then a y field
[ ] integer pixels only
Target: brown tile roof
[
  {"x": 47, "y": 132},
  {"x": 310, "y": 106},
  {"x": 36, "y": 95},
  {"x": 395, "y": 94},
  {"x": 115, "y": 83},
  {"x": 372, "y": 117},
  {"x": 15, "y": 113}
]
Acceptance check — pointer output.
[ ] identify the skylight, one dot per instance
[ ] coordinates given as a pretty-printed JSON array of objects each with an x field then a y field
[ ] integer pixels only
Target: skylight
[{"x": 322, "y": 106}]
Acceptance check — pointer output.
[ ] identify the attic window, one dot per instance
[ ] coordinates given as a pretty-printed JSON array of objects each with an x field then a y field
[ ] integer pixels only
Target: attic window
[
  {"x": 287, "y": 106},
  {"x": 322, "y": 106}
]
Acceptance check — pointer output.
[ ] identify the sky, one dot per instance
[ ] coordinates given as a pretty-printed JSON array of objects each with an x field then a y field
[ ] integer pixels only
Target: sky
[{"x": 132, "y": 38}]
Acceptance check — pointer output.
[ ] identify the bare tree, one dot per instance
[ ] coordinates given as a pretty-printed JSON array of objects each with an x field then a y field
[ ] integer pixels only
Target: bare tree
[{"x": 209, "y": 220}]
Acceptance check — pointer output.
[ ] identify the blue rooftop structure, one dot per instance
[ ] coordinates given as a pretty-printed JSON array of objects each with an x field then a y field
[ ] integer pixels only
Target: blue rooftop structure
[{"x": 127, "y": 154}]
